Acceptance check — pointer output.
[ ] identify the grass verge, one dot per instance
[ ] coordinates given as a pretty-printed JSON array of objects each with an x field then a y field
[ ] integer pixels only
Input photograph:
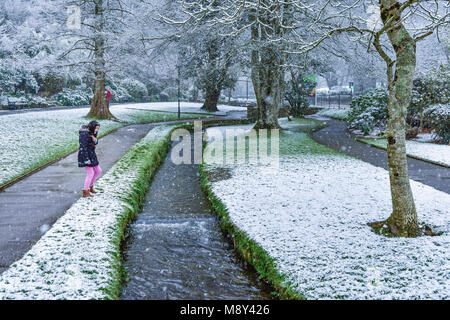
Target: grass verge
[
  {"x": 294, "y": 142},
  {"x": 79, "y": 257},
  {"x": 382, "y": 144},
  {"x": 46, "y": 141},
  {"x": 249, "y": 249}
]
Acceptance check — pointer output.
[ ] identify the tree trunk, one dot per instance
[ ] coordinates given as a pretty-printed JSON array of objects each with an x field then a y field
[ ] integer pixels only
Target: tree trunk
[
  {"x": 211, "y": 99},
  {"x": 270, "y": 90},
  {"x": 216, "y": 74},
  {"x": 403, "y": 220},
  {"x": 99, "y": 108},
  {"x": 267, "y": 77}
]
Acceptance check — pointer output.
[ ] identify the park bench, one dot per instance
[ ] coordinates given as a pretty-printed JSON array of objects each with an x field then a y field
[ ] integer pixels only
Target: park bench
[{"x": 14, "y": 104}]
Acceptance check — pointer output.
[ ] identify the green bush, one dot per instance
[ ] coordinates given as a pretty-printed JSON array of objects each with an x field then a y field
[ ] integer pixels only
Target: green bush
[
  {"x": 296, "y": 93},
  {"x": 438, "y": 116},
  {"x": 171, "y": 92},
  {"x": 429, "y": 89},
  {"x": 369, "y": 111},
  {"x": 136, "y": 89},
  {"x": 153, "y": 88},
  {"x": 73, "y": 97}
]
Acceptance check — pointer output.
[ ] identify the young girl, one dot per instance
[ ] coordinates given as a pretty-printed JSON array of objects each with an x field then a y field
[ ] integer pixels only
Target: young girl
[{"x": 87, "y": 157}]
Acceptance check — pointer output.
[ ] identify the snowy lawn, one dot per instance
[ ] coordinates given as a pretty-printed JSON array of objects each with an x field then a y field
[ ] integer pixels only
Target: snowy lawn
[
  {"x": 32, "y": 139},
  {"x": 190, "y": 107},
  {"x": 437, "y": 153},
  {"x": 339, "y": 114},
  {"x": 311, "y": 216},
  {"x": 79, "y": 257}
]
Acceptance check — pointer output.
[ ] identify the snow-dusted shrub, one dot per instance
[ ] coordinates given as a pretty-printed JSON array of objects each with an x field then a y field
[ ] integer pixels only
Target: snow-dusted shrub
[
  {"x": 153, "y": 87},
  {"x": 136, "y": 89},
  {"x": 73, "y": 81},
  {"x": 171, "y": 93},
  {"x": 77, "y": 97},
  {"x": 369, "y": 111},
  {"x": 51, "y": 84},
  {"x": 429, "y": 89},
  {"x": 120, "y": 94},
  {"x": 163, "y": 97},
  {"x": 154, "y": 98},
  {"x": 3, "y": 101},
  {"x": 37, "y": 102},
  {"x": 438, "y": 116},
  {"x": 16, "y": 79}
]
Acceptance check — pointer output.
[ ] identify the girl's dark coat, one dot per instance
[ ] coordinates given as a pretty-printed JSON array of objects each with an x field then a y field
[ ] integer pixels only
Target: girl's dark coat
[{"x": 87, "y": 149}]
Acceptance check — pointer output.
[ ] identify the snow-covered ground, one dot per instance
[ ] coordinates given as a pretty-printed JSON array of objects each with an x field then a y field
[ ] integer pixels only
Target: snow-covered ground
[
  {"x": 34, "y": 138},
  {"x": 190, "y": 107},
  {"x": 31, "y": 139},
  {"x": 437, "y": 153},
  {"x": 77, "y": 258},
  {"x": 335, "y": 113},
  {"x": 311, "y": 216},
  {"x": 425, "y": 137}
]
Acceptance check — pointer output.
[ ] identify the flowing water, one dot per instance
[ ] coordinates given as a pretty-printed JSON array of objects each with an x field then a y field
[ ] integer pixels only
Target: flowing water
[{"x": 175, "y": 249}]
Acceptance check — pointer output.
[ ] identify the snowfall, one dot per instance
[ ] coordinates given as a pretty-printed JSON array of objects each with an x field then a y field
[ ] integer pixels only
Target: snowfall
[
  {"x": 76, "y": 258},
  {"x": 310, "y": 214},
  {"x": 30, "y": 138},
  {"x": 432, "y": 152},
  {"x": 423, "y": 148}
]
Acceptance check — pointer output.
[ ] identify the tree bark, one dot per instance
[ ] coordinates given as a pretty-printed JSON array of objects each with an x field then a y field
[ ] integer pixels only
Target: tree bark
[
  {"x": 211, "y": 99},
  {"x": 267, "y": 76},
  {"x": 403, "y": 220},
  {"x": 99, "y": 108},
  {"x": 270, "y": 90},
  {"x": 216, "y": 74}
]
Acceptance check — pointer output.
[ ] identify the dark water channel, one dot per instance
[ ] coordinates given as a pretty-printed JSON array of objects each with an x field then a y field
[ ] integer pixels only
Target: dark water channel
[{"x": 175, "y": 249}]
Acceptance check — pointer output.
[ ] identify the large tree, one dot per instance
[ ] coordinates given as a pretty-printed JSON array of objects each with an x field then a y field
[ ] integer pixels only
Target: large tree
[
  {"x": 393, "y": 29},
  {"x": 403, "y": 220},
  {"x": 95, "y": 43},
  {"x": 207, "y": 59}
]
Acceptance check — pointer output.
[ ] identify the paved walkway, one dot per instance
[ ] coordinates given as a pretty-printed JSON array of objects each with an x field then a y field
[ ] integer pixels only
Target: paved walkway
[
  {"x": 336, "y": 136},
  {"x": 29, "y": 207}
]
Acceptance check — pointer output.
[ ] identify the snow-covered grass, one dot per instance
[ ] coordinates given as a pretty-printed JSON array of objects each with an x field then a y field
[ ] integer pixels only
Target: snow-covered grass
[
  {"x": 79, "y": 257},
  {"x": 435, "y": 153},
  {"x": 310, "y": 217},
  {"x": 339, "y": 114},
  {"x": 33, "y": 139},
  {"x": 190, "y": 107}
]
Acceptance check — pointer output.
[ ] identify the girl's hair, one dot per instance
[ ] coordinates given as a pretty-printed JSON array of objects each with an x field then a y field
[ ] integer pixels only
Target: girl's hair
[{"x": 92, "y": 125}]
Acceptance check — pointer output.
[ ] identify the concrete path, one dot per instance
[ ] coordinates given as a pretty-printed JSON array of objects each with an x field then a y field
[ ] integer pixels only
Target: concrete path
[
  {"x": 336, "y": 136},
  {"x": 29, "y": 207}
]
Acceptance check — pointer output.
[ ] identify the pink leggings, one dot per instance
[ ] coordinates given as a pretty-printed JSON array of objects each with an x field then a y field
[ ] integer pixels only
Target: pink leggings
[{"x": 92, "y": 174}]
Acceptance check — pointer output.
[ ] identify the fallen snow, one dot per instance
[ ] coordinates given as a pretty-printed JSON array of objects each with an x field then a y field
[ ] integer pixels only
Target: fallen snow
[
  {"x": 335, "y": 113},
  {"x": 75, "y": 258},
  {"x": 188, "y": 107},
  {"x": 311, "y": 216},
  {"x": 437, "y": 153},
  {"x": 425, "y": 137},
  {"x": 32, "y": 138},
  {"x": 29, "y": 139}
]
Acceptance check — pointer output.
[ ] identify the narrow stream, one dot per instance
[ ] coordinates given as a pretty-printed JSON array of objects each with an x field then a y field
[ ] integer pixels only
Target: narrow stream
[{"x": 175, "y": 249}]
